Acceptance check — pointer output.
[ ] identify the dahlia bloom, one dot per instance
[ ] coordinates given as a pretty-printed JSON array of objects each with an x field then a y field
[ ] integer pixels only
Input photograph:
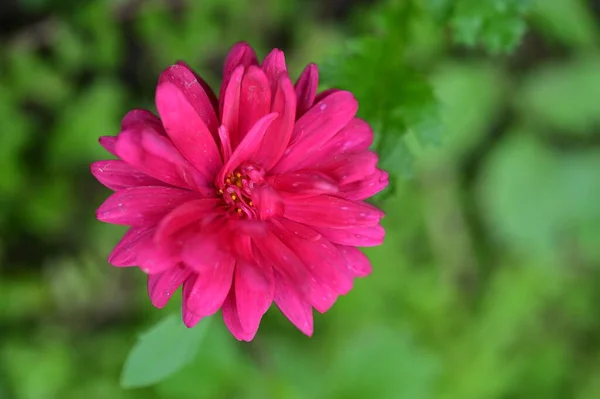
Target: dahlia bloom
[{"x": 247, "y": 199}]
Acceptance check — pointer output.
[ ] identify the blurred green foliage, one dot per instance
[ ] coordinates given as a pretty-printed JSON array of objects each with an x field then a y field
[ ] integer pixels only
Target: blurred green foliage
[{"x": 489, "y": 282}]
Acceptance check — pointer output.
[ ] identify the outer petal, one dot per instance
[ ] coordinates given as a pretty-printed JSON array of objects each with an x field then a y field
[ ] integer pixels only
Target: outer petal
[
  {"x": 209, "y": 92},
  {"x": 188, "y": 118},
  {"x": 321, "y": 296},
  {"x": 108, "y": 142},
  {"x": 325, "y": 263},
  {"x": 366, "y": 236},
  {"x": 329, "y": 211},
  {"x": 367, "y": 187},
  {"x": 356, "y": 136},
  {"x": 274, "y": 66},
  {"x": 255, "y": 101},
  {"x": 147, "y": 149},
  {"x": 194, "y": 89},
  {"x": 118, "y": 175},
  {"x": 232, "y": 320},
  {"x": 277, "y": 136},
  {"x": 204, "y": 293},
  {"x": 241, "y": 54},
  {"x": 306, "y": 88},
  {"x": 161, "y": 287},
  {"x": 230, "y": 106},
  {"x": 155, "y": 259},
  {"x": 182, "y": 217},
  {"x": 357, "y": 262},
  {"x": 304, "y": 182},
  {"x": 254, "y": 290},
  {"x": 284, "y": 260},
  {"x": 142, "y": 206},
  {"x": 316, "y": 128},
  {"x": 349, "y": 168},
  {"x": 125, "y": 252},
  {"x": 320, "y": 96},
  {"x": 293, "y": 305},
  {"x": 137, "y": 117}
]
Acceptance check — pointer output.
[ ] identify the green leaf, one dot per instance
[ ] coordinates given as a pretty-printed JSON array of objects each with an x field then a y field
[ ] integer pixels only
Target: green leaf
[
  {"x": 564, "y": 97},
  {"x": 498, "y": 25},
  {"x": 570, "y": 22},
  {"x": 538, "y": 201},
  {"x": 160, "y": 352}
]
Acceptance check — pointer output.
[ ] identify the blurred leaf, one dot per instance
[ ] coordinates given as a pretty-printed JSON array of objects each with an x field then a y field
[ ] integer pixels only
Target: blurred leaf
[
  {"x": 161, "y": 351},
  {"x": 471, "y": 100},
  {"x": 96, "y": 112},
  {"x": 569, "y": 21},
  {"x": 498, "y": 25},
  {"x": 49, "y": 205},
  {"x": 392, "y": 97},
  {"x": 35, "y": 80},
  {"x": 385, "y": 361},
  {"x": 539, "y": 202},
  {"x": 218, "y": 372},
  {"x": 99, "y": 24},
  {"x": 564, "y": 97},
  {"x": 16, "y": 131},
  {"x": 52, "y": 371}
]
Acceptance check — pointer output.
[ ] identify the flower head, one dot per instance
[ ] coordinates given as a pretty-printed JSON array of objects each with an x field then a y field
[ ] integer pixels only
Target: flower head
[{"x": 252, "y": 198}]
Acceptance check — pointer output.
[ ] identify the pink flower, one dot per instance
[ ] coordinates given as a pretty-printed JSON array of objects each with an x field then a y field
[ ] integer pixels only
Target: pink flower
[{"x": 252, "y": 198}]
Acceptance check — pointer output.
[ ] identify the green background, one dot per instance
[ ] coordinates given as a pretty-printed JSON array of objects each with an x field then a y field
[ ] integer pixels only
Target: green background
[{"x": 488, "y": 285}]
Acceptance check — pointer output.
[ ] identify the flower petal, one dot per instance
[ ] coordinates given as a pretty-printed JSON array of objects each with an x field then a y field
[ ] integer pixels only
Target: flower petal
[
  {"x": 204, "y": 293},
  {"x": 304, "y": 182},
  {"x": 277, "y": 136},
  {"x": 255, "y": 101},
  {"x": 118, "y": 175},
  {"x": 357, "y": 262},
  {"x": 284, "y": 260},
  {"x": 330, "y": 211},
  {"x": 293, "y": 305},
  {"x": 365, "y": 188},
  {"x": 207, "y": 89},
  {"x": 356, "y": 136},
  {"x": 161, "y": 287},
  {"x": 183, "y": 216},
  {"x": 321, "y": 296},
  {"x": 189, "y": 119},
  {"x": 274, "y": 66},
  {"x": 241, "y": 54},
  {"x": 267, "y": 202},
  {"x": 155, "y": 259},
  {"x": 349, "y": 168},
  {"x": 321, "y": 258},
  {"x": 139, "y": 206},
  {"x": 232, "y": 320},
  {"x": 320, "y": 96},
  {"x": 248, "y": 146},
  {"x": 140, "y": 116},
  {"x": 230, "y": 100},
  {"x": 364, "y": 236},
  {"x": 254, "y": 290},
  {"x": 317, "y": 127},
  {"x": 108, "y": 142},
  {"x": 306, "y": 89},
  {"x": 225, "y": 140},
  {"x": 148, "y": 150},
  {"x": 126, "y": 251}
]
